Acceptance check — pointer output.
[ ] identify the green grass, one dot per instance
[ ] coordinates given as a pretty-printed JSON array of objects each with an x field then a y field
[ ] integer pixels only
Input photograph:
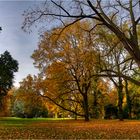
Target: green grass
[
  {"x": 48, "y": 128},
  {"x": 14, "y": 121}
]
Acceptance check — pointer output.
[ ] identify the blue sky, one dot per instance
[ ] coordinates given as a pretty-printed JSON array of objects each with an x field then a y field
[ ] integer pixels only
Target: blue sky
[{"x": 20, "y": 44}]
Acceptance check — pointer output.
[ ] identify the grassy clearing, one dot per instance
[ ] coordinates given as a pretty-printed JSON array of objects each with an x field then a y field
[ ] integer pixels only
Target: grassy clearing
[
  {"x": 14, "y": 128},
  {"x": 13, "y": 121}
]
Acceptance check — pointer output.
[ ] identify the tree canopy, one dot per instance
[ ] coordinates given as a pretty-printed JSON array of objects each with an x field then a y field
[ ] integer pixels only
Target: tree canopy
[
  {"x": 87, "y": 45},
  {"x": 120, "y": 17},
  {"x": 8, "y": 66}
]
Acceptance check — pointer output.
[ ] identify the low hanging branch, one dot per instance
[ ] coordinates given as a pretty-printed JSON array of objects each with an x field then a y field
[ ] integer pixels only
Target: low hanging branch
[{"x": 66, "y": 109}]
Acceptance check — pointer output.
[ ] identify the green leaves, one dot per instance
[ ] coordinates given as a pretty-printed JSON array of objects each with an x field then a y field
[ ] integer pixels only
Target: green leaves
[{"x": 7, "y": 68}]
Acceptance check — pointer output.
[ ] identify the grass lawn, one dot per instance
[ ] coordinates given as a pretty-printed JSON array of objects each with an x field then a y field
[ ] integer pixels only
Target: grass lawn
[{"x": 15, "y": 128}]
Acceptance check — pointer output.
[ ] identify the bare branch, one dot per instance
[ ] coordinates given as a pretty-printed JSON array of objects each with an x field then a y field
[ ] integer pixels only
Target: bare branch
[
  {"x": 122, "y": 5},
  {"x": 61, "y": 8},
  {"x": 137, "y": 21},
  {"x": 116, "y": 74}
]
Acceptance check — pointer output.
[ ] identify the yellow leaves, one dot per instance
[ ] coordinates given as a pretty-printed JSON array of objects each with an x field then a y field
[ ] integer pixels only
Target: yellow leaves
[
  {"x": 72, "y": 44},
  {"x": 56, "y": 75},
  {"x": 57, "y": 70},
  {"x": 68, "y": 61},
  {"x": 113, "y": 96},
  {"x": 72, "y": 49},
  {"x": 103, "y": 86}
]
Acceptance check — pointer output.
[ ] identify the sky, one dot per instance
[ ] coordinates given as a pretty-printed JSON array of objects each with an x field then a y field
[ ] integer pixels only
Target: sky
[{"x": 13, "y": 39}]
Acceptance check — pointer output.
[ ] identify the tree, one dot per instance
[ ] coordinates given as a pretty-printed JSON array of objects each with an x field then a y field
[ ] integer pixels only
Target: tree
[
  {"x": 114, "y": 65},
  {"x": 26, "y": 101},
  {"x": 6, "y": 105},
  {"x": 7, "y": 68},
  {"x": 132, "y": 100},
  {"x": 103, "y": 13},
  {"x": 99, "y": 96},
  {"x": 115, "y": 58},
  {"x": 69, "y": 66}
]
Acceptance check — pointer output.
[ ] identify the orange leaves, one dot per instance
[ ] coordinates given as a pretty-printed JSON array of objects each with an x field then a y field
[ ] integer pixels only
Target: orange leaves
[
  {"x": 68, "y": 62},
  {"x": 70, "y": 129}
]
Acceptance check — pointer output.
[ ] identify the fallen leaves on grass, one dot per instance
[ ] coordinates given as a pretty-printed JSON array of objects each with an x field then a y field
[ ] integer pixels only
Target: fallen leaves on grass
[{"x": 74, "y": 130}]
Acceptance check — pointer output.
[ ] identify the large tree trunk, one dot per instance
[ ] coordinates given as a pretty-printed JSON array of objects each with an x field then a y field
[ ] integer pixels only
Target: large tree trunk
[
  {"x": 129, "y": 106},
  {"x": 95, "y": 107},
  {"x": 120, "y": 99},
  {"x": 86, "y": 107}
]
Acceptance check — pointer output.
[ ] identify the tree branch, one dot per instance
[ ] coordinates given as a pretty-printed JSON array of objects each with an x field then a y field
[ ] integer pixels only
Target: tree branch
[{"x": 66, "y": 109}]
